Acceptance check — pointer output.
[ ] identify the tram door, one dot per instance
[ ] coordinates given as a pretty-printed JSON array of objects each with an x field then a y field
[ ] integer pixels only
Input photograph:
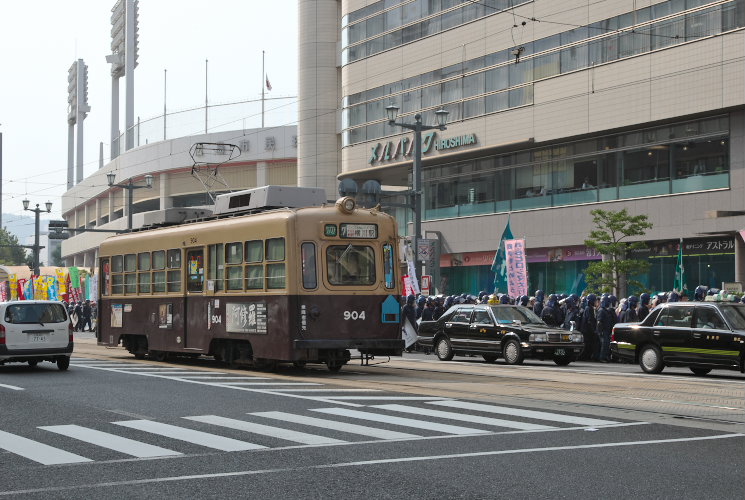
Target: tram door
[{"x": 194, "y": 290}]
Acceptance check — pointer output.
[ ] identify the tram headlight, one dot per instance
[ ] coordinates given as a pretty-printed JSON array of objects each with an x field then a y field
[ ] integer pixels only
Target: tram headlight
[{"x": 345, "y": 205}]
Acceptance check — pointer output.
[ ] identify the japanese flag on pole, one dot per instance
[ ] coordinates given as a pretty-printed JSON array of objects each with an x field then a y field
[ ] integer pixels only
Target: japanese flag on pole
[{"x": 268, "y": 85}]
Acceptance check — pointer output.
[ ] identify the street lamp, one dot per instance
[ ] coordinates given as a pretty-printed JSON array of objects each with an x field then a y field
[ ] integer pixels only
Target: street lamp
[
  {"x": 36, "y": 246},
  {"x": 129, "y": 187},
  {"x": 416, "y": 194}
]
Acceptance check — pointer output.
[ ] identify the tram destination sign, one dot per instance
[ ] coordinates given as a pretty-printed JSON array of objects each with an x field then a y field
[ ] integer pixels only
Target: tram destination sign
[{"x": 362, "y": 231}]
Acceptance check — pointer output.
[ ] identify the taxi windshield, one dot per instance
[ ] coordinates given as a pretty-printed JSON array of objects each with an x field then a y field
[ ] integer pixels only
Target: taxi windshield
[
  {"x": 509, "y": 314},
  {"x": 735, "y": 316}
]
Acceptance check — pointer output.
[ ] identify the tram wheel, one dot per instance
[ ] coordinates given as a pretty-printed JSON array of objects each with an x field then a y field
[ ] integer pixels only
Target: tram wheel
[
  {"x": 160, "y": 356},
  {"x": 335, "y": 366},
  {"x": 299, "y": 363}
]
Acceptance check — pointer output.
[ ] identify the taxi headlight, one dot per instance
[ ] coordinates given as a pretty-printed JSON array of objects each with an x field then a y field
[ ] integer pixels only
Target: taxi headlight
[
  {"x": 538, "y": 337},
  {"x": 577, "y": 337}
]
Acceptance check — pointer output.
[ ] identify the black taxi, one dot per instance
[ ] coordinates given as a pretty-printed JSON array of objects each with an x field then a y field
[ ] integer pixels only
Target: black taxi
[
  {"x": 699, "y": 335},
  {"x": 491, "y": 331}
]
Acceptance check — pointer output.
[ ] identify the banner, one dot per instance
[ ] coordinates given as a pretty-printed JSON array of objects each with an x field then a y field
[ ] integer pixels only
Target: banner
[
  {"x": 499, "y": 264},
  {"x": 93, "y": 287},
  {"x": 74, "y": 278},
  {"x": 51, "y": 285},
  {"x": 61, "y": 281},
  {"x": 680, "y": 275},
  {"x": 409, "y": 333},
  {"x": 413, "y": 277},
  {"x": 517, "y": 268},
  {"x": 4, "y": 291},
  {"x": 13, "y": 281},
  {"x": 407, "y": 288}
]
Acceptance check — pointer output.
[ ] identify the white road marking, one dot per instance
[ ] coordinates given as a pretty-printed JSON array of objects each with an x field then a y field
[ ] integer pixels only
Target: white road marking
[
  {"x": 406, "y": 422},
  {"x": 264, "y": 383},
  {"x": 362, "y": 430},
  {"x": 226, "y": 377},
  {"x": 38, "y": 452},
  {"x": 190, "y": 435},
  {"x": 464, "y": 417},
  {"x": 327, "y": 390},
  {"x": 12, "y": 387},
  {"x": 389, "y": 398},
  {"x": 515, "y": 412},
  {"x": 294, "y": 470},
  {"x": 265, "y": 430},
  {"x": 111, "y": 441}
]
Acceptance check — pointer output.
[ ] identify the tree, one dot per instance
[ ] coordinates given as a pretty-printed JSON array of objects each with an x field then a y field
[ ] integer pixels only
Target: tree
[
  {"x": 11, "y": 253},
  {"x": 613, "y": 272}
]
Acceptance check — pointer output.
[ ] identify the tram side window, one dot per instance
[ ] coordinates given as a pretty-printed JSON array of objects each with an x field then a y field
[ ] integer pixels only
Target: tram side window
[
  {"x": 254, "y": 251},
  {"x": 216, "y": 265},
  {"x": 308, "y": 254},
  {"x": 159, "y": 275},
  {"x": 130, "y": 263},
  {"x": 117, "y": 264},
  {"x": 105, "y": 283},
  {"x": 275, "y": 273},
  {"x": 143, "y": 272},
  {"x": 234, "y": 271},
  {"x": 173, "y": 276},
  {"x": 195, "y": 270},
  {"x": 350, "y": 265},
  {"x": 254, "y": 277},
  {"x": 388, "y": 266},
  {"x": 117, "y": 279}
]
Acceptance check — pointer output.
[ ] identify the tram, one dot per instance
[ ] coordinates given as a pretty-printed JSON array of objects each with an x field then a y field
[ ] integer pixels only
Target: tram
[{"x": 288, "y": 285}]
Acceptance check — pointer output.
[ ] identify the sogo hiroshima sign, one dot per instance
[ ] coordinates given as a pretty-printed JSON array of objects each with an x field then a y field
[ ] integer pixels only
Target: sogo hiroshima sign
[{"x": 404, "y": 147}]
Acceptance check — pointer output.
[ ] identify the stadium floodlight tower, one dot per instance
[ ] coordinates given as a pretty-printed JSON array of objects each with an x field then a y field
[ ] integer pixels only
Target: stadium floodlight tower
[
  {"x": 77, "y": 110},
  {"x": 123, "y": 60}
]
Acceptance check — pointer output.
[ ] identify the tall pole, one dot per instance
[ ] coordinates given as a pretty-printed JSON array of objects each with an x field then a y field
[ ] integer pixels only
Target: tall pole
[
  {"x": 114, "y": 116},
  {"x": 417, "y": 194},
  {"x": 70, "y": 154},
  {"x": 129, "y": 71},
  {"x": 263, "y": 84},
  {"x": 130, "y": 190},
  {"x": 165, "y": 89},
  {"x": 206, "y": 61},
  {"x": 36, "y": 241},
  {"x": 80, "y": 117}
]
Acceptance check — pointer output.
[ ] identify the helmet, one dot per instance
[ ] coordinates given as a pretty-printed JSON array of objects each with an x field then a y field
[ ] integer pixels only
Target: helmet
[
  {"x": 591, "y": 299},
  {"x": 605, "y": 302},
  {"x": 673, "y": 297},
  {"x": 410, "y": 299},
  {"x": 539, "y": 296},
  {"x": 524, "y": 300},
  {"x": 504, "y": 299},
  {"x": 482, "y": 294},
  {"x": 644, "y": 298},
  {"x": 633, "y": 300},
  {"x": 700, "y": 293},
  {"x": 493, "y": 299},
  {"x": 613, "y": 300},
  {"x": 421, "y": 300}
]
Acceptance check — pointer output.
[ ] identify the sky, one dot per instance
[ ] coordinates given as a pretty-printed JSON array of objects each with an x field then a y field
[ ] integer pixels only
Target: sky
[{"x": 40, "y": 40}]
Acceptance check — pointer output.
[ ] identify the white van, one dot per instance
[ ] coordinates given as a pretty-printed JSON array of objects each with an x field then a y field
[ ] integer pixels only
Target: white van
[{"x": 33, "y": 331}]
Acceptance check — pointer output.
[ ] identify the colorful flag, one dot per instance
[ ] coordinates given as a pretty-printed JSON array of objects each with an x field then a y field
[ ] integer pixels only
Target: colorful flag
[
  {"x": 517, "y": 268},
  {"x": 268, "y": 85},
  {"x": 680, "y": 276},
  {"x": 499, "y": 265}
]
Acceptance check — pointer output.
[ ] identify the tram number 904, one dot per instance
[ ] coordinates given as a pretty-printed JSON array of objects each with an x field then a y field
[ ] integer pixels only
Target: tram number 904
[{"x": 354, "y": 315}]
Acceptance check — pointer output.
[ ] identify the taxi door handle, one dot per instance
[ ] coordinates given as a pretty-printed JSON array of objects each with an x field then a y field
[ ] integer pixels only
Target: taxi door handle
[
  {"x": 696, "y": 335},
  {"x": 656, "y": 332}
]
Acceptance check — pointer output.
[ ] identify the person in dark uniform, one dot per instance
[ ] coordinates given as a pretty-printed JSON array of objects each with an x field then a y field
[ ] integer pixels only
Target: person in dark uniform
[
  {"x": 571, "y": 313},
  {"x": 588, "y": 326},
  {"x": 630, "y": 315},
  {"x": 428, "y": 312},
  {"x": 538, "y": 307},
  {"x": 87, "y": 315},
  {"x": 643, "y": 311},
  {"x": 700, "y": 294},
  {"x": 78, "y": 311},
  {"x": 439, "y": 310},
  {"x": 604, "y": 329},
  {"x": 550, "y": 314}
]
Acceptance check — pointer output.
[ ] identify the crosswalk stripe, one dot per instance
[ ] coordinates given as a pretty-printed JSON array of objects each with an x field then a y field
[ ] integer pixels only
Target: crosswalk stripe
[
  {"x": 265, "y": 430},
  {"x": 474, "y": 419},
  {"x": 38, "y": 452},
  {"x": 336, "y": 426},
  {"x": 110, "y": 441},
  {"x": 326, "y": 390},
  {"x": 388, "y": 398},
  {"x": 190, "y": 436},
  {"x": 516, "y": 412},
  {"x": 407, "y": 422},
  {"x": 227, "y": 377},
  {"x": 267, "y": 383}
]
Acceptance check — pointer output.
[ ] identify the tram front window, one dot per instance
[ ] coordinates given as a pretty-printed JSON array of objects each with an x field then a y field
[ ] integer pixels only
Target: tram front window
[{"x": 350, "y": 265}]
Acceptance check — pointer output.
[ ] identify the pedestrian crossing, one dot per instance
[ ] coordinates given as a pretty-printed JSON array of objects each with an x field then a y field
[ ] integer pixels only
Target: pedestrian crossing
[{"x": 71, "y": 443}]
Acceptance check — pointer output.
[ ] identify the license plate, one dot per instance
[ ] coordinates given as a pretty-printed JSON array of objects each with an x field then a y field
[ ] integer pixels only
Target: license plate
[
  {"x": 560, "y": 352},
  {"x": 38, "y": 338}
]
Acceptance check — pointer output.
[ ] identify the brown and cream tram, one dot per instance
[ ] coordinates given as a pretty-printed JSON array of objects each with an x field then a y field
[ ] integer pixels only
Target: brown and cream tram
[{"x": 298, "y": 285}]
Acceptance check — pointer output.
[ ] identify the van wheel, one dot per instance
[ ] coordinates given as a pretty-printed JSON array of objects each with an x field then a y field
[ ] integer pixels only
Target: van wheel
[
  {"x": 650, "y": 359},
  {"x": 33, "y": 363},
  {"x": 513, "y": 354},
  {"x": 444, "y": 350},
  {"x": 63, "y": 363}
]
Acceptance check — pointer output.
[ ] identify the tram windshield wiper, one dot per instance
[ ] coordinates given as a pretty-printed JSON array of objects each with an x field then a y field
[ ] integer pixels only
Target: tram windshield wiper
[{"x": 344, "y": 253}]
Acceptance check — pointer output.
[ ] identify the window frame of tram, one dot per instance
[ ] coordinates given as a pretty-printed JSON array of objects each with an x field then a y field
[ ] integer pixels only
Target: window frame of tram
[
  {"x": 143, "y": 273},
  {"x": 679, "y": 158},
  {"x": 334, "y": 273},
  {"x": 309, "y": 265}
]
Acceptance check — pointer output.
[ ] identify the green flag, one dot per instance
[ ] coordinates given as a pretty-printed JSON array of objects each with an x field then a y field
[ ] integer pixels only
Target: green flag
[
  {"x": 499, "y": 265},
  {"x": 680, "y": 275}
]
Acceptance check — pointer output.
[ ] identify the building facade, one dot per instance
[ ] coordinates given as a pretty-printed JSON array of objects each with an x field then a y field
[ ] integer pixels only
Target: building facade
[
  {"x": 555, "y": 109},
  {"x": 183, "y": 175}
]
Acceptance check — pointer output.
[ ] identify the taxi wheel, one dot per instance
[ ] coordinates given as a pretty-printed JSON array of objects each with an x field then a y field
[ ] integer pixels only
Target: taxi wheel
[
  {"x": 490, "y": 358},
  {"x": 700, "y": 371},
  {"x": 513, "y": 354},
  {"x": 562, "y": 360},
  {"x": 444, "y": 350},
  {"x": 650, "y": 359},
  {"x": 63, "y": 363}
]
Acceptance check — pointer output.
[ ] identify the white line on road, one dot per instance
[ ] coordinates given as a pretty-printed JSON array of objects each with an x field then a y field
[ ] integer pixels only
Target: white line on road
[
  {"x": 516, "y": 412},
  {"x": 111, "y": 441},
  {"x": 390, "y": 398},
  {"x": 406, "y": 422},
  {"x": 464, "y": 417},
  {"x": 265, "y": 430},
  {"x": 327, "y": 390},
  {"x": 264, "y": 383},
  {"x": 336, "y": 426},
  {"x": 12, "y": 387},
  {"x": 227, "y": 377},
  {"x": 38, "y": 452},
  {"x": 295, "y": 470},
  {"x": 190, "y": 435}
]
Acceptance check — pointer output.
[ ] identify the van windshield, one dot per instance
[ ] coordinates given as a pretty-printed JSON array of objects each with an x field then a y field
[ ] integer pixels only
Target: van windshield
[{"x": 20, "y": 314}]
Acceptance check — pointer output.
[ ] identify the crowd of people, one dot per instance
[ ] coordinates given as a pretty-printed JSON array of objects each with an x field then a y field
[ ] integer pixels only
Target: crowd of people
[
  {"x": 592, "y": 315},
  {"x": 81, "y": 314}
]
